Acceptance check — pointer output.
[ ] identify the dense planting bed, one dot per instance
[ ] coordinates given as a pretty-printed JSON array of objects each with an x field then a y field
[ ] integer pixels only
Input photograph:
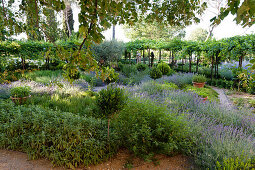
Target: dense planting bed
[{"x": 66, "y": 124}]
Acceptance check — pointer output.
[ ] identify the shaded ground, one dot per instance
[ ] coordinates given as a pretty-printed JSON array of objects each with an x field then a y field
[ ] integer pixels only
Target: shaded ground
[{"x": 13, "y": 160}]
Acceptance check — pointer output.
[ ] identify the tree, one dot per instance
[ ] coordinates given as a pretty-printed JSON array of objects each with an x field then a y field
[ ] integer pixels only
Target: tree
[
  {"x": 98, "y": 15},
  {"x": 198, "y": 34},
  {"x": 153, "y": 30},
  {"x": 68, "y": 21},
  {"x": 214, "y": 6}
]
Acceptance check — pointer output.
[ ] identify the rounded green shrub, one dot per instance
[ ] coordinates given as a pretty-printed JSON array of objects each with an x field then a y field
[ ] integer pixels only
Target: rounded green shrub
[
  {"x": 164, "y": 68},
  {"x": 155, "y": 73},
  {"x": 20, "y": 91},
  {"x": 110, "y": 100}
]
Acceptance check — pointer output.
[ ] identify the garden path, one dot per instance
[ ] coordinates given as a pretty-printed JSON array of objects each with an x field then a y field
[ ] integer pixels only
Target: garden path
[
  {"x": 224, "y": 101},
  {"x": 14, "y": 160}
]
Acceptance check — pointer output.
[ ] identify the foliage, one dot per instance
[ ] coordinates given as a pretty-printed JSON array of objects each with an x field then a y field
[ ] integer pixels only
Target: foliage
[
  {"x": 82, "y": 104},
  {"x": 20, "y": 91},
  {"x": 180, "y": 79},
  {"x": 155, "y": 73},
  {"x": 64, "y": 138},
  {"x": 141, "y": 67},
  {"x": 110, "y": 100},
  {"x": 92, "y": 79},
  {"x": 4, "y": 92},
  {"x": 152, "y": 88},
  {"x": 108, "y": 51},
  {"x": 199, "y": 78},
  {"x": 235, "y": 163},
  {"x": 164, "y": 68},
  {"x": 153, "y": 30},
  {"x": 113, "y": 76},
  {"x": 10, "y": 76},
  {"x": 146, "y": 128},
  {"x": 129, "y": 70},
  {"x": 204, "y": 92},
  {"x": 43, "y": 76},
  {"x": 198, "y": 34}
]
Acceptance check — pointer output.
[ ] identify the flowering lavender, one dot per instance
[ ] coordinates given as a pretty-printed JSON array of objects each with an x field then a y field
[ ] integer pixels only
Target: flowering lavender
[{"x": 217, "y": 132}]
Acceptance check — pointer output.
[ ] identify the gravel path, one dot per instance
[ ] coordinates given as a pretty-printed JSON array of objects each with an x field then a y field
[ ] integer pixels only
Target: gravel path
[{"x": 224, "y": 101}]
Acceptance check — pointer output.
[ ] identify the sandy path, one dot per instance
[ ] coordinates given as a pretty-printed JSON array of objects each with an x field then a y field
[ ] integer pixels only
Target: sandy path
[
  {"x": 224, "y": 101},
  {"x": 14, "y": 160}
]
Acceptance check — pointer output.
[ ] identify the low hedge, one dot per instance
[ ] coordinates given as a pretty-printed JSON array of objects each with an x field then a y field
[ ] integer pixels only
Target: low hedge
[{"x": 65, "y": 138}]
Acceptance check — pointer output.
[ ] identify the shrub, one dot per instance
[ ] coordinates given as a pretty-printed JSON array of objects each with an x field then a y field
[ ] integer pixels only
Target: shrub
[
  {"x": 226, "y": 74},
  {"x": 199, "y": 78},
  {"x": 92, "y": 79},
  {"x": 146, "y": 128},
  {"x": 155, "y": 73},
  {"x": 129, "y": 70},
  {"x": 164, "y": 68},
  {"x": 235, "y": 163},
  {"x": 20, "y": 91},
  {"x": 252, "y": 102},
  {"x": 109, "y": 51},
  {"x": 141, "y": 67},
  {"x": 110, "y": 100},
  {"x": 62, "y": 137}
]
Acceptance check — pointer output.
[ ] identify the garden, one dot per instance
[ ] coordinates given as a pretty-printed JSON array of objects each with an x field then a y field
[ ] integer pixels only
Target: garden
[{"x": 78, "y": 101}]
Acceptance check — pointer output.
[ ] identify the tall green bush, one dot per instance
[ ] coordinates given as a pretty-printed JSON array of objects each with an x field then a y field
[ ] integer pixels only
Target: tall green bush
[
  {"x": 164, "y": 68},
  {"x": 155, "y": 73}
]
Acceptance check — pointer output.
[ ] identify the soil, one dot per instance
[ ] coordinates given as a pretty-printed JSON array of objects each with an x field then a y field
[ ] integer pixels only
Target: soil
[{"x": 14, "y": 160}]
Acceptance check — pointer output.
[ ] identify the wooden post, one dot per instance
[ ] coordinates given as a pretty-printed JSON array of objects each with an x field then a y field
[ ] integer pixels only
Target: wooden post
[
  {"x": 149, "y": 54},
  {"x": 190, "y": 57}
]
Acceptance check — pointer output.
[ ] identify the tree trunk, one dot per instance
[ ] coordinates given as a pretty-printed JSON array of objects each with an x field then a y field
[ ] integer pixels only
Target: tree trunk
[
  {"x": 240, "y": 62},
  {"x": 143, "y": 57},
  {"x": 170, "y": 57},
  {"x": 190, "y": 57},
  {"x": 159, "y": 54},
  {"x": 182, "y": 64},
  {"x": 23, "y": 62},
  {"x": 129, "y": 57},
  {"x": 149, "y": 54},
  {"x": 212, "y": 69},
  {"x": 197, "y": 64},
  {"x": 113, "y": 32},
  {"x": 68, "y": 20}
]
